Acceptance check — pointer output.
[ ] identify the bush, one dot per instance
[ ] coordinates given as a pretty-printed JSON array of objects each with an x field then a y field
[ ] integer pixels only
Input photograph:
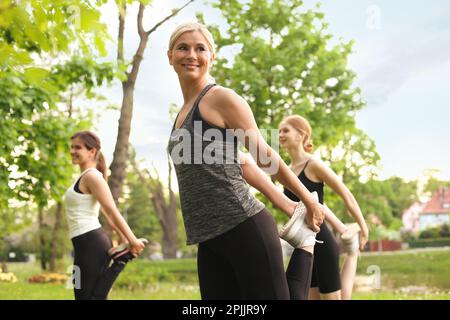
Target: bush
[
  {"x": 435, "y": 232},
  {"x": 407, "y": 235},
  {"x": 426, "y": 234},
  {"x": 445, "y": 231},
  {"x": 56, "y": 278},
  {"x": 13, "y": 254},
  {"x": 433, "y": 242},
  {"x": 143, "y": 274},
  {"x": 430, "y": 233},
  {"x": 7, "y": 277}
]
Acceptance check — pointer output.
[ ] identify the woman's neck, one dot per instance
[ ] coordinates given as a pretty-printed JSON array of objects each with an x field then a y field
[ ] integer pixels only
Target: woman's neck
[
  {"x": 85, "y": 166},
  {"x": 297, "y": 155},
  {"x": 191, "y": 89}
]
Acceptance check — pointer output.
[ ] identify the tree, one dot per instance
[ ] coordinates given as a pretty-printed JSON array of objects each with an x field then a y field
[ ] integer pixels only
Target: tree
[
  {"x": 285, "y": 64},
  {"x": 49, "y": 48},
  {"x": 120, "y": 155},
  {"x": 137, "y": 207},
  {"x": 38, "y": 42},
  {"x": 11, "y": 220},
  {"x": 165, "y": 209},
  {"x": 433, "y": 183}
]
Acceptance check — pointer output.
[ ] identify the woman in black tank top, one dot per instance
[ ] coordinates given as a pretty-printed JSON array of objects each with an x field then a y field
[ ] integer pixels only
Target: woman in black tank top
[
  {"x": 295, "y": 136},
  {"x": 239, "y": 252}
]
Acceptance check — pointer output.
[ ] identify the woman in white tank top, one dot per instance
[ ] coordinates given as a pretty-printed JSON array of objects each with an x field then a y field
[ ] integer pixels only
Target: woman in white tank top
[{"x": 93, "y": 274}]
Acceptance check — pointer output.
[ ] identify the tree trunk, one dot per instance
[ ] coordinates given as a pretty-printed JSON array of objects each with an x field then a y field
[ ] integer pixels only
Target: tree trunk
[
  {"x": 167, "y": 217},
  {"x": 42, "y": 242},
  {"x": 120, "y": 157},
  {"x": 165, "y": 212},
  {"x": 55, "y": 238},
  {"x": 4, "y": 267}
]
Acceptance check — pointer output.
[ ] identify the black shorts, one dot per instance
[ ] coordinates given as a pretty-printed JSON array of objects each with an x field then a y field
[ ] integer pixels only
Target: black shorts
[{"x": 325, "y": 274}]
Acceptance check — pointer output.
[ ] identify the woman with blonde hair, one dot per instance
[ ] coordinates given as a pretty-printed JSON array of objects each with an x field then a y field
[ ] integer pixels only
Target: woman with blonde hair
[
  {"x": 295, "y": 135},
  {"x": 239, "y": 252}
]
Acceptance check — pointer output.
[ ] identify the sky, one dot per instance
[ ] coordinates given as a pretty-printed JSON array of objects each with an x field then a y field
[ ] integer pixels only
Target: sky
[{"x": 401, "y": 58}]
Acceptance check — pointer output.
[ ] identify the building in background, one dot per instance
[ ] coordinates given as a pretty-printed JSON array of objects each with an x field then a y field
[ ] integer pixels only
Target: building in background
[{"x": 437, "y": 211}]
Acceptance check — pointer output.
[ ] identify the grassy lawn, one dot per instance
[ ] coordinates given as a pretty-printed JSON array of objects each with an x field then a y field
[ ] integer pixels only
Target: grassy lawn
[
  {"x": 410, "y": 275},
  {"x": 417, "y": 268}
]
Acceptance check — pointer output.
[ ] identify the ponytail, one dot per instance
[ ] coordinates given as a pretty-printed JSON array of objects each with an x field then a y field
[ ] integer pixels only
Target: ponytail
[
  {"x": 308, "y": 146},
  {"x": 101, "y": 165}
]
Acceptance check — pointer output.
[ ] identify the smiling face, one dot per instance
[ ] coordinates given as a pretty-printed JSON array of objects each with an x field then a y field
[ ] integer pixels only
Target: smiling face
[
  {"x": 289, "y": 136},
  {"x": 79, "y": 153},
  {"x": 191, "y": 56}
]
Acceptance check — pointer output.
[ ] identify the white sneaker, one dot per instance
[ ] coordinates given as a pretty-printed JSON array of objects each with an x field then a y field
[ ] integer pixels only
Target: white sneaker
[
  {"x": 296, "y": 232},
  {"x": 350, "y": 238}
]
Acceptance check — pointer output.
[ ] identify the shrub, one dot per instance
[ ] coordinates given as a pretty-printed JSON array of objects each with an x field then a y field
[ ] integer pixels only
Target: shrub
[
  {"x": 445, "y": 231},
  {"x": 430, "y": 233},
  {"x": 407, "y": 235},
  {"x": 433, "y": 242},
  {"x": 7, "y": 277},
  {"x": 56, "y": 278}
]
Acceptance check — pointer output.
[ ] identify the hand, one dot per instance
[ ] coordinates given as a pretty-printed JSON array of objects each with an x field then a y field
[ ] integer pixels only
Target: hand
[
  {"x": 136, "y": 247},
  {"x": 315, "y": 216},
  {"x": 363, "y": 237}
]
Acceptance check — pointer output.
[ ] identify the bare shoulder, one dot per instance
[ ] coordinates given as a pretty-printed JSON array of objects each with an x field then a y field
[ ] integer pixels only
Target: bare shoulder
[
  {"x": 220, "y": 96},
  {"x": 317, "y": 163},
  {"x": 93, "y": 177},
  {"x": 317, "y": 168},
  {"x": 321, "y": 170}
]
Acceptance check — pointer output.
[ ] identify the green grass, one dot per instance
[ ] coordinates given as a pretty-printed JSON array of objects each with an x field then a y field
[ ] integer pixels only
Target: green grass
[
  {"x": 421, "y": 268},
  {"x": 177, "y": 279},
  {"x": 141, "y": 280}
]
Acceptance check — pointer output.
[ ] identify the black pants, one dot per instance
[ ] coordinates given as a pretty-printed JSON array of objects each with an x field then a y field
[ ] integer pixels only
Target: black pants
[
  {"x": 92, "y": 266},
  {"x": 325, "y": 273},
  {"x": 244, "y": 263}
]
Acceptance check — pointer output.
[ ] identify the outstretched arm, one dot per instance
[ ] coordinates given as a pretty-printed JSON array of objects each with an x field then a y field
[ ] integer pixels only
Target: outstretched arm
[
  {"x": 123, "y": 238},
  {"x": 260, "y": 181},
  {"x": 328, "y": 176},
  {"x": 98, "y": 187},
  {"x": 238, "y": 115}
]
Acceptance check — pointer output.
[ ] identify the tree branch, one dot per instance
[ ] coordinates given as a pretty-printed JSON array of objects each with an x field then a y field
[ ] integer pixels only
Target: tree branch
[
  {"x": 122, "y": 12},
  {"x": 140, "y": 17},
  {"x": 174, "y": 13}
]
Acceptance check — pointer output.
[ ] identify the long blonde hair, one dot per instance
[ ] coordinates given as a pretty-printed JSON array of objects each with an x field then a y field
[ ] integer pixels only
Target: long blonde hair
[
  {"x": 189, "y": 27},
  {"x": 302, "y": 125}
]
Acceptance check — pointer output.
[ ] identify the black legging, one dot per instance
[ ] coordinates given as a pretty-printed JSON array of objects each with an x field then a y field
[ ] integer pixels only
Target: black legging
[
  {"x": 245, "y": 263},
  {"x": 298, "y": 274},
  {"x": 325, "y": 273},
  {"x": 92, "y": 260}
]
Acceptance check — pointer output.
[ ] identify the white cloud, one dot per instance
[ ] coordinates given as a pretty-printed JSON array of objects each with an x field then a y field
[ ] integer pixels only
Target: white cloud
[{"x": 385, "y": 62}]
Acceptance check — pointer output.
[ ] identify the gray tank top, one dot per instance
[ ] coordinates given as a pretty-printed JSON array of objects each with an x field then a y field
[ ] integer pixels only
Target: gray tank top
[{"x": 214, "y": 196}]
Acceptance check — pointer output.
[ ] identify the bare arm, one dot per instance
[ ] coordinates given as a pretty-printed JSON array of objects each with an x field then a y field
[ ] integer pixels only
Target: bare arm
[
  {"x": 123, "y": 238},
  {"x": 238, "y": 115},
  {"x": 328, "y": 176},
  {"x": 98, "y": 187},
  {"x": 259, "y": 180}
]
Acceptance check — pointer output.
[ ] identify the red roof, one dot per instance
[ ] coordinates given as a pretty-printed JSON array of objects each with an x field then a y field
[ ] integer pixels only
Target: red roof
[{"x": 439, "y": 203}]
